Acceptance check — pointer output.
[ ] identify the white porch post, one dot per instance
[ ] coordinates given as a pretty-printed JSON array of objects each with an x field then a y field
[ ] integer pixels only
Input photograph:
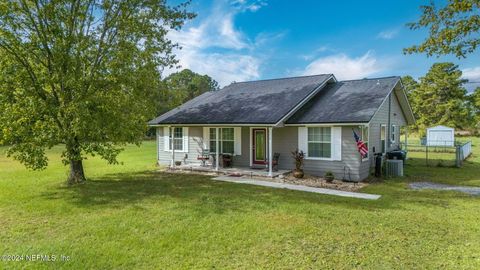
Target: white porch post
[
  {"x": 270, "y": 156},
  {"x": 406, "y": 138},
  {"x": 217, "y": 155},
  {"x": 172, "y": 146}
]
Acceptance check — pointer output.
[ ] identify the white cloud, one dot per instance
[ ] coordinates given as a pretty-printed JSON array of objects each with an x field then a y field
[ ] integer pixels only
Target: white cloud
[
  {"x": 310, "y": 56},
  {"x": 225, "y": 68},
  {"x": 217, "y": 48},
  {"x": 471, "y": 74},
  {"x": 345, "y": 67},
  {"x": 252, "y": 6},
  {"x": 388, "y": 34}
]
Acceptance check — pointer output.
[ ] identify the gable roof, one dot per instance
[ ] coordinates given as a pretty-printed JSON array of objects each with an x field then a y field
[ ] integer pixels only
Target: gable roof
[
  {"x": 354, "y": 101},
  {"x": 297, "y": 100},
  {"x": 255, "y": 102}
]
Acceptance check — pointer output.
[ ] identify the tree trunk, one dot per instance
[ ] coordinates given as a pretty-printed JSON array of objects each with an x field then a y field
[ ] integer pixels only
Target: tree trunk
[{"x": 76, "y": 175}]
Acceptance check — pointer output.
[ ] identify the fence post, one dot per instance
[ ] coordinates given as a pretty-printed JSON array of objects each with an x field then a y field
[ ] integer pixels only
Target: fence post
[
  {"x": 458, "y": 156},
  {"x": 426, "y": 153}
]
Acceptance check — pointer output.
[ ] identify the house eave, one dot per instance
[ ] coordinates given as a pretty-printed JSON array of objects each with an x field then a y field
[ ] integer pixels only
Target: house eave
[{"x": 355, "y": 123}]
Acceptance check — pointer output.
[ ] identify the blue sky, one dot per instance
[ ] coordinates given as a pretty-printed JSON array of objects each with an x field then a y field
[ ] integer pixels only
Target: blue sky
[{"x": 238, "y": 40}]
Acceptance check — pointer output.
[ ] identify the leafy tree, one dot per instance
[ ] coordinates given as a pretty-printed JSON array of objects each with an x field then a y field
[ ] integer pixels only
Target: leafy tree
[
  {"x": 453, "y": 29},
  {"x": 440, "y": 98},
  {"x": 411, "y": 85},
  {"x": 185, "y": 85},
  {"x": 475, "y": 103},
  {"x": 79, "y": 73}
]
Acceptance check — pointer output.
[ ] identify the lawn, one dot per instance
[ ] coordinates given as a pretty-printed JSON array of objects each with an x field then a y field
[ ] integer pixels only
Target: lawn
[{"x": 131, "y": 216}]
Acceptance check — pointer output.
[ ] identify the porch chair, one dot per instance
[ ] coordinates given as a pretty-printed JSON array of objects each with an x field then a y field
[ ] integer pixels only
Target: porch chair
[
  {"x": 275, "y": 158},
  {"x": 227, "y": 160},
  {"x": 204, "y": 156}
]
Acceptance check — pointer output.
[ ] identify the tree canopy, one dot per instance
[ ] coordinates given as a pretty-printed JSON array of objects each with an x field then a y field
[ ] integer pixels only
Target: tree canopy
[
  {"x": 185, "y": 85},
  {"x": 439, "y": 98},
  {"x": 475, "y": 101},
  {"x": 81, "y": 73},
  {"x": 453, "y": 29}
]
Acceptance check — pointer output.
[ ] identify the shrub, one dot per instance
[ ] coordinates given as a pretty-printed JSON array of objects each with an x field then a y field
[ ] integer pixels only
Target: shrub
[
  {"x": 298, "y": 157},
  {"x": 329, "y": 176}
]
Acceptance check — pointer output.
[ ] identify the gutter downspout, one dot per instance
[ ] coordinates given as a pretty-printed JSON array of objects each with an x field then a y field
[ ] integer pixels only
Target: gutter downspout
[{"x": 389, "y": 139}]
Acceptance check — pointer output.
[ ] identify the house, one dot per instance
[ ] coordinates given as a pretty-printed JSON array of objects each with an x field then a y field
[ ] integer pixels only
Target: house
[{"x": 316, "y": 114}]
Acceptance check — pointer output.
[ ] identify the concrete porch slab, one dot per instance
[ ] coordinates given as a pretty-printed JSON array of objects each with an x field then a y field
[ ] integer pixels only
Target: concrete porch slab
[
  {"x": 241, "y": 171},
  {"x": 257, "y": 182}
]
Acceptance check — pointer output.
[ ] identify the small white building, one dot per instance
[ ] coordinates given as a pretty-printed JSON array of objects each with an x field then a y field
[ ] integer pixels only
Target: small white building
[{"x": 440, "y": 136}]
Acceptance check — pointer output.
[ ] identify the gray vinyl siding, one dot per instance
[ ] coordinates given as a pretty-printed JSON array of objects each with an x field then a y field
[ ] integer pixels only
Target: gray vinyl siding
[
  {"x": 195, "y": 140},
  {"x": 243, "y": 160},
  {"x": 285, "y": 140},
  {"x": 397, "y": 118}
]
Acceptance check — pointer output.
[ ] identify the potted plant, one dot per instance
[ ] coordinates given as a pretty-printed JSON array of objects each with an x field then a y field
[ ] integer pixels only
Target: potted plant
[
  {"x": 298, "y": 157},
  {"x": 329, "y": 176}
]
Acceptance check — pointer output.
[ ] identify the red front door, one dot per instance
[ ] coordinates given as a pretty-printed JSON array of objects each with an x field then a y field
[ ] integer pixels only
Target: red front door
[{"x": 259, "y": 145}]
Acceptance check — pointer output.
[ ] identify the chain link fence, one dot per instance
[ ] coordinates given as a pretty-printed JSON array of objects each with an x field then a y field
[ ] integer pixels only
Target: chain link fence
[{"x": 439, "y": 153}]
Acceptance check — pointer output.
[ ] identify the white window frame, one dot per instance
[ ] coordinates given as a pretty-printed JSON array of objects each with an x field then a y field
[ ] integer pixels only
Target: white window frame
[
  {"x": 365, "y": 140},
  {"x": 168, "y": 142},
  {"x": 393, "y": 138},
  {"x": 220, "y": 139},
  {"x": 383, "y": 148},
  {"x": 331, "y": 144}
]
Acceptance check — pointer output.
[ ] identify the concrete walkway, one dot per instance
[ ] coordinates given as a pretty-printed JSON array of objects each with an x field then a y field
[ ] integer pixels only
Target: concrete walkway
[
  {"x": 430, "y": 185},
  {"x": 326, "y": 191}
]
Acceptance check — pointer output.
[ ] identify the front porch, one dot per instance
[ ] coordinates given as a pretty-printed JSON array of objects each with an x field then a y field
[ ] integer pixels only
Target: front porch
[
  {"x": 224, "y": 150},
  {"x": 232, "y": 171}
]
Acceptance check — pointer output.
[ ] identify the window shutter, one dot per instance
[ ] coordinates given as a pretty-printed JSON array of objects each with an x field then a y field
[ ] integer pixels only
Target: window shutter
[
  {"x": 166, "y": 141},
  {"x": 238, "y": 141},
  {"x": 337, "y": 143},
  {"x": 185, "y": 139},
  {"x": 302, "y": 140},
  {"x": 206, "y": 138}
]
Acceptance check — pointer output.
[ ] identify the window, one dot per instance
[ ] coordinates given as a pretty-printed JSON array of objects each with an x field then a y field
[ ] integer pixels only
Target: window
[
  {"x": 226, "y": 140},
  {"x": 392, "y": 135},
  {"x": 383, "y": 137},
  {"x": 319, "y": 142},
  {"x": 177, "y": 139},
  {"x": 364, "y": 132},
  {"x": 213, "y": 139}
]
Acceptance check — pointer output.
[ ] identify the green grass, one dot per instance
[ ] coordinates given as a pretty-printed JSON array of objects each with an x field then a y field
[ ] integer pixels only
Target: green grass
[{"x": 131, "y": 216}]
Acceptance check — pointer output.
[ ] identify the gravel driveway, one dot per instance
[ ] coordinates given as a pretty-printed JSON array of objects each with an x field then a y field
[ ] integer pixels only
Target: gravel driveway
[{"x": 429, "y": 185}]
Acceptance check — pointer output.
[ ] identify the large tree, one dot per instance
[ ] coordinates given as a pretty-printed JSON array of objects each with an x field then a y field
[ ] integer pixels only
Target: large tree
[
  {"x": 440, "y": 98},
  {"x": 80, "y": 73},
  {"x": 453, "y": 28}
]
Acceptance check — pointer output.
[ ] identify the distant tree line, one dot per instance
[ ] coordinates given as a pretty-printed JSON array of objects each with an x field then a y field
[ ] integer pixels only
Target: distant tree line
[
  {"x": 176, "y": 89},
  {"x": 180, "y": 87},
  {"x": 440, "y": 98}
]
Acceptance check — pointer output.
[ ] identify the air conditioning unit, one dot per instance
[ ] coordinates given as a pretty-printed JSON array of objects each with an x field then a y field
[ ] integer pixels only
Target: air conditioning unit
[{"x": 394, "y": 167}]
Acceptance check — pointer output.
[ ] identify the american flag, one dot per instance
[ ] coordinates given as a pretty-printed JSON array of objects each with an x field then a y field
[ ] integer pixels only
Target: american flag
[{"x": 362, "y": 148}]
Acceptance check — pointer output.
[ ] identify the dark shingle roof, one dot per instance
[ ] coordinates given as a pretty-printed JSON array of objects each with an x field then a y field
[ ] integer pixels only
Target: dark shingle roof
[
  {"x": 345, "y": 102},
  {"x": 256, "y": 102}
]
